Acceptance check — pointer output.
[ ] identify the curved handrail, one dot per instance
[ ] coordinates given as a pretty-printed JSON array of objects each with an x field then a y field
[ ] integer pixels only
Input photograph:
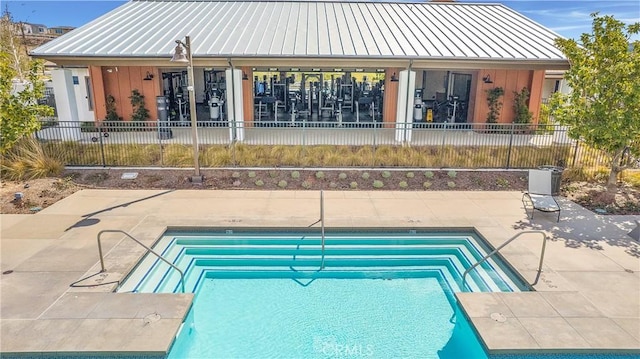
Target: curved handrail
[
  {"x": 544, "y": 244},
  {"x": 140, "y": 243}
]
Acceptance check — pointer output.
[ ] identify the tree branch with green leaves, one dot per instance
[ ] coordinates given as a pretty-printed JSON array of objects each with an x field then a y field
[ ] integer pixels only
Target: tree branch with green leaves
[{"x": 603, "y": 109}]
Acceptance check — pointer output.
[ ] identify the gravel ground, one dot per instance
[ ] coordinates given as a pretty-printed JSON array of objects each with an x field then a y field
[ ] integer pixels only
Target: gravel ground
[{"x": 41, "y": 193}]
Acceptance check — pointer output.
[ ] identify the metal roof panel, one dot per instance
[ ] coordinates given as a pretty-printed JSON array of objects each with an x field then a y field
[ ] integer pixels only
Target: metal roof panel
[{"x": 341, "y": 29}]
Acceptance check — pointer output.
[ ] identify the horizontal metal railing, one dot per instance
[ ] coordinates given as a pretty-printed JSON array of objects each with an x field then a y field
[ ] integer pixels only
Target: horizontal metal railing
[{"x": 365, "y": 144}]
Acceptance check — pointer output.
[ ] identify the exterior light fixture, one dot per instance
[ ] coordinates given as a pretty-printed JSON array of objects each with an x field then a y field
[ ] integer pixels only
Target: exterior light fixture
[
  {"x": 394, "y": 78},
  {"x": 487, "y": 79},
  {"x": 182, "y": 54},
  {"x": 149, "y": 76}
]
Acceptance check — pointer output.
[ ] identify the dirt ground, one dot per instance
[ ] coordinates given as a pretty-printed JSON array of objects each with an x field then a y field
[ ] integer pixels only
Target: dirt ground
[{"x": 41, "y": 193}]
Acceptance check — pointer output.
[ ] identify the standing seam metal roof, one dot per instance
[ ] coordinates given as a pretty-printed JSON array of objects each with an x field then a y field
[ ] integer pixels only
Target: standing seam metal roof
[{"x": 339, "y": 29}]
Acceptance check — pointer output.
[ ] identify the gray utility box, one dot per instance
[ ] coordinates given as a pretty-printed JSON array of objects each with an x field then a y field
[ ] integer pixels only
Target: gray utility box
[{"x": 556, "y": 178}]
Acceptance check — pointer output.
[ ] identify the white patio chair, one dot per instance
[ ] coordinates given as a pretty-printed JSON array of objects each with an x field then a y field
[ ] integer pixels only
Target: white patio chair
[{"x": 539, "y": 196}]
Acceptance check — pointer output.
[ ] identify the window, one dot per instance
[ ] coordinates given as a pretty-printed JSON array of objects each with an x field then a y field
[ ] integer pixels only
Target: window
[{"x": 75, "y": 80}]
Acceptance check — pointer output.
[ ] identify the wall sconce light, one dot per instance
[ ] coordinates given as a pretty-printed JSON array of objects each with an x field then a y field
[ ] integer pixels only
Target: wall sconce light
[
  {"x": 244, "y": 76},
  {"x": 487, "y": 79},
  {"x": 394, "y": 78},
  {"x": 149, "y": 76}
]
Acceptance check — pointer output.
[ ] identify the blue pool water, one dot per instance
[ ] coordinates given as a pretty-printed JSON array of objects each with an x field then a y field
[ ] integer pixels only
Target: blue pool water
[
  {"x": 329, "y": 318},
  {"x": 377, "y": 295}
]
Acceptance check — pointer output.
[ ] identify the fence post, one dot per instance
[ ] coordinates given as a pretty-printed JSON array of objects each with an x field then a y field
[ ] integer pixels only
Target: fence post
[
  {"x": 510, "y": 146},
  {"x": 373, "y": 152},
  {"x": 104, "y": 161},
  {"x": 575, "y": 153},
  {"x": 232, "y": 144}
]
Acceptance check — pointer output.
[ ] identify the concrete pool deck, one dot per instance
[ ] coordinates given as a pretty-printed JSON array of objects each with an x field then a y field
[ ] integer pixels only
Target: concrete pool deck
[{"x": 587, "y": 298}]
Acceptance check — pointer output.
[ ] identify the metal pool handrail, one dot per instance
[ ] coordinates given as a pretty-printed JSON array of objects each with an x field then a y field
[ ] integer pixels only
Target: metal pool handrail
[
  {"x": 544, "y": 244},
  {"x": 322, "y": 226},
  {"x": 149, "y": 250}
]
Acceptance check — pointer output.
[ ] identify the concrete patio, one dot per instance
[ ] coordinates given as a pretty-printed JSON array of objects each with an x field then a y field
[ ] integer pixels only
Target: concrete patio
[{"x": 587, "y": 298}]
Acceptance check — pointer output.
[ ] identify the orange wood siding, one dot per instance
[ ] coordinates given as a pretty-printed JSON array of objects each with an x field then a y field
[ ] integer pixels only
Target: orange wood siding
[
  {"x": 99, "y": 97},
  {"x": 511, "y": 81},
  {"x": 390, "y": 102},
  {"x": 119, "y": 81},
  {"x": 247, "y": 95},
  {"x": 535, "y": 100}
]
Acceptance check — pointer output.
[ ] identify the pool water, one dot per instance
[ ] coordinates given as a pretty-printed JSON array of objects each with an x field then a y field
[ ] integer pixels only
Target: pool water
[
  {"x": 377, "y": 295},
  {"x": 339, "y": 318}
]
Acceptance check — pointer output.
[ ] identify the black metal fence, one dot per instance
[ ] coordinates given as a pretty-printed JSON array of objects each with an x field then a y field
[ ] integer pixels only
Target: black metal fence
[{"x": 316, "y": 144}]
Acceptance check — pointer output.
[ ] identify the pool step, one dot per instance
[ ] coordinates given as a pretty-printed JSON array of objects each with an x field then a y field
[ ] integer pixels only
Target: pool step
[{"x": 229, "y": 257}]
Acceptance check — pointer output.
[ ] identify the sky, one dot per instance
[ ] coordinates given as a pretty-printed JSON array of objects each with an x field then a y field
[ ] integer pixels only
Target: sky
[{"x": 566, "y": 17}]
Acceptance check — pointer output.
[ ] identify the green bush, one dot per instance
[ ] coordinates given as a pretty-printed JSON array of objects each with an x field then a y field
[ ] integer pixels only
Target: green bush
[
  {"x": 259, "y": 183},
  {"x": 410, "y": 175},
  {"x": 295, "y": 174},
  {"x": 428, "y": 174},
  {"x": 403, "y": 184},
  {"x": 306, "y": 184},
  {"x": 342, "y": 175},
  {"x": 333, "y": 185},
  {"x": 353, "y": 185},
  {"x": 386, "y": 174},
  {"x": 451, "y": 184},
  {"x": 251, "y": 174},
  {"x": 365, "y": 175},
  {"x": 319, "y": 175},
  {"x": 235, "y": 175},
  {"x": 273, "y": 174},
  {"x": 88, "y": 126},
  {"x": 452, "y": 174},
  {"x": 427, "y": 184},
  {"x": 282, "y": 184},
  {"x": 378, "y": 184}
]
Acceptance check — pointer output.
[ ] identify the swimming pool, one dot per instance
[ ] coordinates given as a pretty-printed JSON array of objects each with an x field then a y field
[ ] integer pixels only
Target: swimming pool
[{"x": 273, "y": 294}]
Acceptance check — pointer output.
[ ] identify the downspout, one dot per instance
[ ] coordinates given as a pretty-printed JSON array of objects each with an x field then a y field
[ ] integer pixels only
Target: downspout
[
  {"x": 409, "y": 111},
  {"x": 233, "y": 97}
]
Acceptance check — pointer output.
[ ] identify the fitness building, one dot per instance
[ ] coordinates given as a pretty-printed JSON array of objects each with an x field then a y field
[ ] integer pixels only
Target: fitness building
[{"x": 276, "y": 62}]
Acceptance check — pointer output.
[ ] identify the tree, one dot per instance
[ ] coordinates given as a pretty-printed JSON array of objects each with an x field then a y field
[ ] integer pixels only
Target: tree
[
  {"x": 603, "y": 110},
  {"x": 493, "y": 101},
  {"x": 11, "y": 44},
  {"x": 140, "y": 112},
  {"x": 19, "y": 109},
  {"x": 521, "y": 107}
]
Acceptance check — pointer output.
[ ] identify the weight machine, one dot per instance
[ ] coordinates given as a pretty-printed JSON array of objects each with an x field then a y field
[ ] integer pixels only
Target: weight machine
[{"x": 215, "y": 94}]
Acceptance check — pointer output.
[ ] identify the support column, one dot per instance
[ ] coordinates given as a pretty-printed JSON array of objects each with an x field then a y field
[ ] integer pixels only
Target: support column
[
  {"x": 99, "y": 98},
  {"x": 535, "y": 94},
  {"x": 404, "y": 114},
  {"x": 390, "y": 102},
  {"x": 235, "y": 105},
  {"x": 247, "y": 95},
  {"x": 66, "y": 105}
]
